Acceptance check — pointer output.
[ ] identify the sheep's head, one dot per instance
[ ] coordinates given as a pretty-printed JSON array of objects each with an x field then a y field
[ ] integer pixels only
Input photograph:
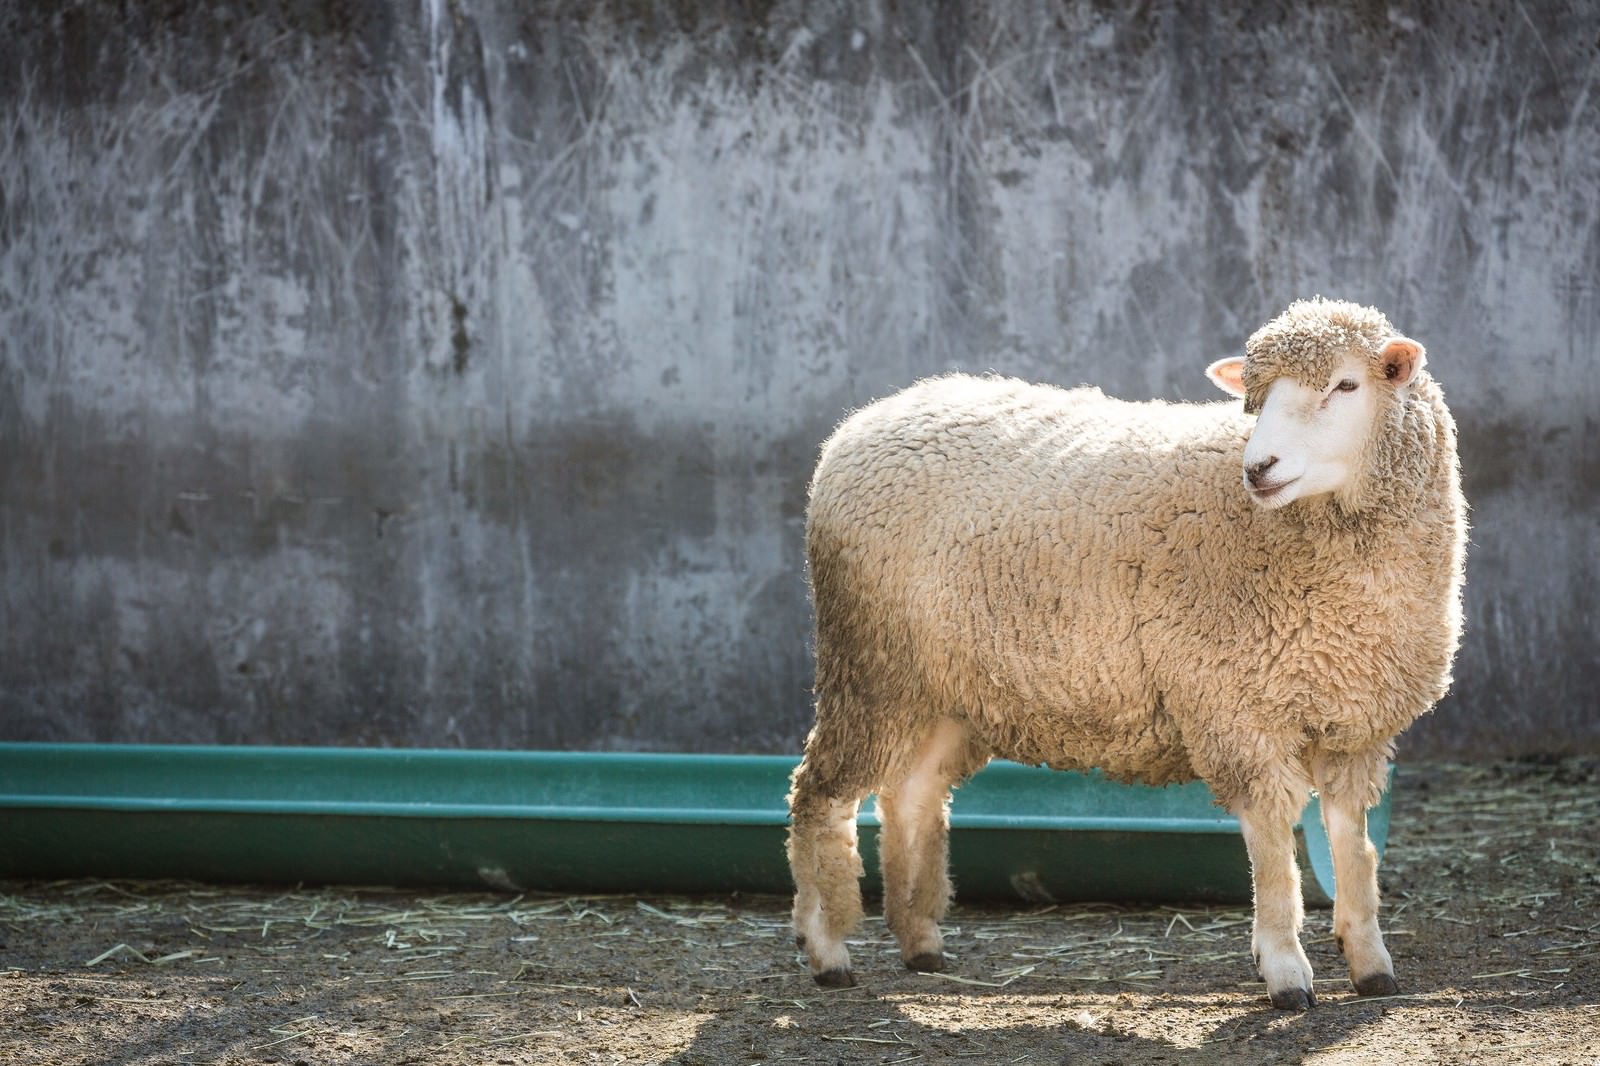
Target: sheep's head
[{"x": 1318, "y": 377}]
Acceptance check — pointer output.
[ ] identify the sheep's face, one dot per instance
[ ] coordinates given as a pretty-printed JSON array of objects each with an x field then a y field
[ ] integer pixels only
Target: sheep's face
[
  {"x": 1313, "y": 433},
  {"x": 1309, "y": 439}
]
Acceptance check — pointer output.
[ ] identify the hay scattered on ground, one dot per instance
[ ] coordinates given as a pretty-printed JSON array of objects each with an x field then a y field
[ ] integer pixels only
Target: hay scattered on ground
[{"x": 1492, "y": 869}]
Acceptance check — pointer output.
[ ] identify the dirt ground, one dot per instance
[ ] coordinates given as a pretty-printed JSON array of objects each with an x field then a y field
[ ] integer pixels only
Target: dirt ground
[{"x": 1492, "y": 911}]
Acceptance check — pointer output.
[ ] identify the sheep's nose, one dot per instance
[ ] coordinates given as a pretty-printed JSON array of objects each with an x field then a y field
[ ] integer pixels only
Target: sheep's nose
[{"x": 1256, "y": 471}]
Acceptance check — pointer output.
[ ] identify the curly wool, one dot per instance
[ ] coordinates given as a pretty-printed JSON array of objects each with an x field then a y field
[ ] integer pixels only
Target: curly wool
[
  {"x": 1083, "y": 583},
  {"x": 1306, "y": 341}
]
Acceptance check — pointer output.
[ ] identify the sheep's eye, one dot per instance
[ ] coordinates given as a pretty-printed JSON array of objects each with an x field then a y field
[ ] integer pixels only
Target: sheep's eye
[{"x": 1347, "y": 385}]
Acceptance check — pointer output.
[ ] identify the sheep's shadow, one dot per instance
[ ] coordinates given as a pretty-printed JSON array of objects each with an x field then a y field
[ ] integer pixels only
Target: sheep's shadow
[{"x": 926, "y": 1019}]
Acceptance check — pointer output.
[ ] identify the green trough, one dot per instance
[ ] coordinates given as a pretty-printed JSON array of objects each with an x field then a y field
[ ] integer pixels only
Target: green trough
[{"x": 585, "y": 822}]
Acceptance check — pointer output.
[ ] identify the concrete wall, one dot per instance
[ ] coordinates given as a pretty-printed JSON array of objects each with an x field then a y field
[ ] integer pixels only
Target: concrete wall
[{"x": 450, "y": 373}]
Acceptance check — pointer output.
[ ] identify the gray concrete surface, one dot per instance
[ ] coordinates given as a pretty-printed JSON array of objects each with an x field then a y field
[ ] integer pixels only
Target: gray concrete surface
[{"x": 449, "y": 373}]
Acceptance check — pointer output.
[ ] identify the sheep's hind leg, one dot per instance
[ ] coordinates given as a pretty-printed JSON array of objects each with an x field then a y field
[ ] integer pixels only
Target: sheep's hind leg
[
  {"x": 826, "y": 867},
  {"x": 1279, "y": 910},
  {"x": 1345, "y": 798},
  {"x": 913, "y": 844}
]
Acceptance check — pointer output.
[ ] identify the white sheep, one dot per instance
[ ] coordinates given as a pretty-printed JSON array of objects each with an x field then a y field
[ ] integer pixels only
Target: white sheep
[{"x": 1163, "y": 591}]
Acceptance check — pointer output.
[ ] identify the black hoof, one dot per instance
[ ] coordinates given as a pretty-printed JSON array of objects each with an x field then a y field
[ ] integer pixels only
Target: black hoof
[
  {"x": 927, "y": 962},
  {"x": 1294, "y": 999},
  {"x": 1378, "y": 984},
  {"x": 835, "y": 979}
]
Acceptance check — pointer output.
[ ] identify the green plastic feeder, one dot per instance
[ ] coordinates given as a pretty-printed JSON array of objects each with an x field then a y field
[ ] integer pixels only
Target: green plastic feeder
[{"x": 586, "y": 822}]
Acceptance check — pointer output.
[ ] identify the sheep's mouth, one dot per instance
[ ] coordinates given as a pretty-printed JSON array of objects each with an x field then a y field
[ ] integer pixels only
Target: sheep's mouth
[{"x": 1264, "y": 493}]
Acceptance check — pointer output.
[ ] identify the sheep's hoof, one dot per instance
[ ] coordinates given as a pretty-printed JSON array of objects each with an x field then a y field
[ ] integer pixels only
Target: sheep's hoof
[
  {"x": 927, "y": 962},
  {"x": 1294, "y": 999},
  {"x": 1377, "y": 984},
  {"x": 835, "y": 979}
]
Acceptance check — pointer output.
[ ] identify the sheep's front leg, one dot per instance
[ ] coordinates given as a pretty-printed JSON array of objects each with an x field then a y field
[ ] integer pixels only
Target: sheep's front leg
[
  {"x": 1275, "y": 940},
  {"x": 1345, "y": 798}
]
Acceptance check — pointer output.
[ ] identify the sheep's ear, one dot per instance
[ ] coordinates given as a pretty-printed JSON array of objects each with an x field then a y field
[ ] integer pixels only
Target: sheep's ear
[
  {"x": 1228, "y": 375},
  {"x": 1401, "y": 358}
]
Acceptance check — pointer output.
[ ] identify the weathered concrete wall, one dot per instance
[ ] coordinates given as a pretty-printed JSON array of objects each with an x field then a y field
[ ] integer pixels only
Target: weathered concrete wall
[{"x": 449, "y": 374}]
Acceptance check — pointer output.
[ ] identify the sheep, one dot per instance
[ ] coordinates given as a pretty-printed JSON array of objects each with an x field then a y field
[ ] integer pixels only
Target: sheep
[{"x": 1260, "y": 599}]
